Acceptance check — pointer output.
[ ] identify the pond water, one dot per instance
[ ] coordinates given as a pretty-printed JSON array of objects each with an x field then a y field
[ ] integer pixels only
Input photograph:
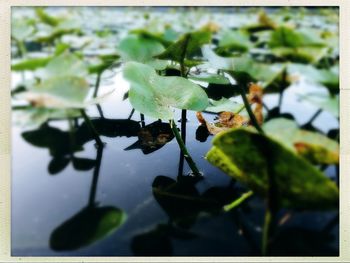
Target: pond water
[{"x": 167, "y": 212}]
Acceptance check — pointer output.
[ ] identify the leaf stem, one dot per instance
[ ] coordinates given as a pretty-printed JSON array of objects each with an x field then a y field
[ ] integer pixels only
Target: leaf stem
[
  {"x": 92, "y": 128},
  {"x": 97, "y": 84},
  {"x": 238, "y": 201},
  {"x": 183, "y": 148},
  {"x": 249, "y": 110}
]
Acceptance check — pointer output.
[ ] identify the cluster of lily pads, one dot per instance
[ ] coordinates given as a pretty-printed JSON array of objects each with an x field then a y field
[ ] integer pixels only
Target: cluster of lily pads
[{"x": 209, "y": 69}]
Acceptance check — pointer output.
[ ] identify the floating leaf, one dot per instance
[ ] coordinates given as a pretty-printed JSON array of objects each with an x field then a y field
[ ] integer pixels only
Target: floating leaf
[
  {"x": 289, "y": 37},
  {"x": 249, "y": 157},
  {"x": 210, "y": 78},
  {"x": 186, "y": 47},
  {"x": 245, "y": 69},
  {"x": 223, "y": 104},
  {"x": 46, "y": 18},
  {"x": 87, "y": 227},
  {"x": 31, "y": 64},
  {"x": 234, "y": 40},
  {"x": 66, "y": 64},
  {"x": 326, "y": 103},
  {"x": 154, "y": 95},
  {"x": 314, "y": 146},
  {"x": 327, "y": 77},
  {"x": 299, "y": 46},
  {"x": 141, "y": 49},
  {"x": 58, "y": 92},
  {"x": 21, "y": 29}
]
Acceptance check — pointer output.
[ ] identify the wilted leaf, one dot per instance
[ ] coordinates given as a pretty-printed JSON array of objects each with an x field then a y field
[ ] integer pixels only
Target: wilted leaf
[
  {"x": 141, "y": 49},
  {"x": 314, "y": 146},
  {"x": 154, "y": 95},
  {"x": 226, "y": 121},
  {"x": 152, "y": 137},
  {"x": 249, "y": 157}
]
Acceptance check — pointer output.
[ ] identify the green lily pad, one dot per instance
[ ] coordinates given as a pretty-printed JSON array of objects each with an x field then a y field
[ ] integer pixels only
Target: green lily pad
[
  {"x": 249, "y": 157},
  {"x": 31, "y": 64},
  {"x": 326, "y": 77},
  {"x": 299, "y": 46},
  {"x": 46, "y": 18},
  {"x": 87, "y": 227},
  {"x": 314, "y": 146},
  {"x": 326, "y": 103},
  {"x": 66, "y": 64},
  {"x": 301, "y": 54},
  {"x": 186, "y": 47},
  {"x": 154, "y": 95},
  {"x": 58, "y": 92},
  {"x": 141, "y": 49},
  {"x": 21, "y": 29},
  {"x": 245, "y": 69},
  {"x": 210, "y": 78},
  {"x": 223, "y": 104},
  {"x": 236, "y": 40},
  {"x": 289, "y": 37}
]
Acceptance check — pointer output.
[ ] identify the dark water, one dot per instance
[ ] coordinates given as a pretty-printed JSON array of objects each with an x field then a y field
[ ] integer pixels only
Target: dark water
[
  {"x": 168, "y": 212},
  {"x": 184, "y": 220}
]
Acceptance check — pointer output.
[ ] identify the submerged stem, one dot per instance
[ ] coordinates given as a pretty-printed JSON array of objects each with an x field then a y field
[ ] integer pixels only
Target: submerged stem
[
  {"x": 97, "y": 84},
  {"x": 183, "y": 148},
  {"x": 250, "y": 112},
  {"x": 92, "y": 128},
  {"x": 238, "y": 201}
]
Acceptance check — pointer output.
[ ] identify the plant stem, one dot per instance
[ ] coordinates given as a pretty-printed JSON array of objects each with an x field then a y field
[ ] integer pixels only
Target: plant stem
[
  {"x": 92, "y": 128},
  {"x": 238, "y": 201},
  {"x": 250, "y": 112},
  {"x": 266, "y": 232},
  {"x": 183, "y": 148},
  {"x": 21, "y": 48},
  {"x": 97, "y": 84}
]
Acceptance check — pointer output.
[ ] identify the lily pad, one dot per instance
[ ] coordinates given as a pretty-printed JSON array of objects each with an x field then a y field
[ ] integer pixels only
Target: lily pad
[
  {"x": 326, "y": 103},
  {"x": 58, "y": 92},
  {"x": 186, "y": 47},
  {"x": 326, "y": 77},
  {"x": 245, "y": 69},
  {"x": 234, "y": 40},
  {"x": 21, "y": 29},
  {"x": 210, "y": 78},
  {"x": 298, "y": 46},
  {"x": 141, "y": 49},
  {"x": 314, "y": 146},
  {"x": 249, "y": 157},
  {"x": 223, "y": 104},
  {"x": 66, "y": 64},
  {"x": 154, "y": 95}
]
